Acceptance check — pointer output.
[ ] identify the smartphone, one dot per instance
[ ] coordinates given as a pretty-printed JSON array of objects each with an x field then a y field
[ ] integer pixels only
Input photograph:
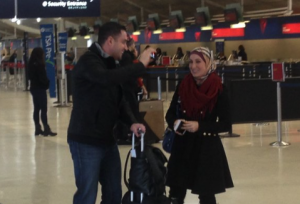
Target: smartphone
[
  {"x": 152, "y": 55},
  {"x": 178, "y": 126}
]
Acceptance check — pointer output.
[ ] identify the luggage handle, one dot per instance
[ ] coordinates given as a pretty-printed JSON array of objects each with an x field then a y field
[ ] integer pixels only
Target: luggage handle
[
  {"x": 142, "y": 140},
  {"x": 130, "y": 153},
  {"x": 126, "y": 163}
]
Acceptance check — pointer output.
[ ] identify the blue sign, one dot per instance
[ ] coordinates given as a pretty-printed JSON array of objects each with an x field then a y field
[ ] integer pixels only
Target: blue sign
[
  {"x": 62, "y": 41},
  {"x": 7, "y": 9},
  {"x": 57, "y": 8},
  {"x": 48, "y": 46}
]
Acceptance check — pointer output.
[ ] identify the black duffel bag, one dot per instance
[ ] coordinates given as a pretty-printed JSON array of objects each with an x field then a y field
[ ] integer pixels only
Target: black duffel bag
[{"x": 147, "y": 176}]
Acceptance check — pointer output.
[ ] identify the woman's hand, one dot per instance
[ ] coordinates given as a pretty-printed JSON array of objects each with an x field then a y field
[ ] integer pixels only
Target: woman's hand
[
  {"x": 190, "y": 126},
  {"x": 175, "y": 123}
]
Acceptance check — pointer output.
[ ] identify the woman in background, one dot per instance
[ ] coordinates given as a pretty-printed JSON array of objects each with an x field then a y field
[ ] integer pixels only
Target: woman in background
[
  {"x": 179, "y": 53},
  {"x": 39, "y": 83},
  {"x": 242, "y": 53},
  {"x": 198, "y": 161}
]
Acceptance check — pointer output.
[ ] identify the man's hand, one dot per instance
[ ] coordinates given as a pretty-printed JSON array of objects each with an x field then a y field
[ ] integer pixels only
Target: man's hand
[
  {"x": 145, "y": 56},
  {"x": 136, "y": 128}
]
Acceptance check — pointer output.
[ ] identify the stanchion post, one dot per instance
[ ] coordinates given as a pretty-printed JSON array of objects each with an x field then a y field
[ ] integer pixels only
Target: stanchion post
[
  {"x": 15, "y": 73},
  {"x": 159, "y": 87},
  {"x": 167, "y": 83},
  {"x": 278, "y": 76},
  {"x": 23, "y": 75},
  {"x": 61, "y": 75},
  {"x": 176, "y": 78},
  {"x": 1, "y": 70},
  {"x": 7, "y": 76}
]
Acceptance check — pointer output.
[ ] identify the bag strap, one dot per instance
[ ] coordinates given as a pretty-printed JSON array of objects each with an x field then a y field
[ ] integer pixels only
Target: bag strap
[{"x": 125, "y": 170}]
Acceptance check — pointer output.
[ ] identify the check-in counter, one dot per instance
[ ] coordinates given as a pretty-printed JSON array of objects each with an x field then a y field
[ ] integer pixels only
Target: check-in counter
[{"x": 252, "y": 92}]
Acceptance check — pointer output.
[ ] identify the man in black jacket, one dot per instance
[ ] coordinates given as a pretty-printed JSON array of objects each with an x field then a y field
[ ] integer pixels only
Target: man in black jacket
[{"x": 98, "y": 103}]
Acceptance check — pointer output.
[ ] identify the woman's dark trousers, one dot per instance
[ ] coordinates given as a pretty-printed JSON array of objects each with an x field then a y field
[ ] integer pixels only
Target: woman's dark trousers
[{"x": 40, "y": 107}]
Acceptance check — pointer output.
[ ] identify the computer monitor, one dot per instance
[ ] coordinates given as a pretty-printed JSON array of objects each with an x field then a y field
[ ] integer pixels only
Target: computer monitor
[
  {"x": 200, "y": 19},
  {"x": 231, "y": 15},
  {"x": 151, "y": 24},
  {"x": 132, "y": 24},
  {"x": 174, "y": 21}
]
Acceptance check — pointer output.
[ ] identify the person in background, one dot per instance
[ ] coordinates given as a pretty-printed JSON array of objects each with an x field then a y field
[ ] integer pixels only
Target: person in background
[
  {"x": 221, "y": 56},
  {"x": 12, "y": 60},
  {"x": 39, "y": 83},
  {"x": 242, "y": 53},
  {"x": 158, "y": 56},
  {"x": 179, "y": 53},
  {"x": 198, "y": 161},
  {"x": 70, "y": 56},
  {"x": 98, "y": 103},
  {"x": 131, "y": 89}
]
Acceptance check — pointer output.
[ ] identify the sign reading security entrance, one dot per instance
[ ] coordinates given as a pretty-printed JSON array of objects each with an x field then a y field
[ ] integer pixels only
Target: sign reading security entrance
[{"x": 58, "y": 8}]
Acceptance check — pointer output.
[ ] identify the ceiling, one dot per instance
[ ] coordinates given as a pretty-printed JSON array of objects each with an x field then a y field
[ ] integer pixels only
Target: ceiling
[{"x": 122, "y": 9}]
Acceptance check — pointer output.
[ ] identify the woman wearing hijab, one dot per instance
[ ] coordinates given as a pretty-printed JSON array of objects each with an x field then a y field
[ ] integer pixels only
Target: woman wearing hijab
[{"x": 198, "y": 161}]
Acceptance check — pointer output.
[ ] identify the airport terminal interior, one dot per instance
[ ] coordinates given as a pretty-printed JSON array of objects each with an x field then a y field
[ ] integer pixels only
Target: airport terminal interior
[{"x": 37, "y": 170}]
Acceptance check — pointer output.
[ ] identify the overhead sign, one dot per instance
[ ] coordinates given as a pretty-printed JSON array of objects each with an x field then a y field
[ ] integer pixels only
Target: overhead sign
[
  {"x": 291, "y": 28},
  {"x": 62, "y": 41},
  {"x": 7, "y": 9},
  {"x": 228, "y": 32},
  {"x": 58, "y": 8},
  {"x": 171, "y": 36}
]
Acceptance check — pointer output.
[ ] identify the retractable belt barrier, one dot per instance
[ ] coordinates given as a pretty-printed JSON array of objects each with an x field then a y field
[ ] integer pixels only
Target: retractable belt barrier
[{"x": 12, "y": 74}]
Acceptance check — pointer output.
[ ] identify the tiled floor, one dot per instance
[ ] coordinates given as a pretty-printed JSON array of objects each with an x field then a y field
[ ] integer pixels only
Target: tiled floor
[{"x": 38, "y": 170}]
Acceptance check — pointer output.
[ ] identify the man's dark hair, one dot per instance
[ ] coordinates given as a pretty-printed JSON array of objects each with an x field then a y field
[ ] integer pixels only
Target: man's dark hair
[{"x": 109, "y": 29}]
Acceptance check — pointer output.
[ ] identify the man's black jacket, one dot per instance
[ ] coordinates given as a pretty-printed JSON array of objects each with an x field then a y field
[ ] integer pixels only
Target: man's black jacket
[{"x": 98, "y": 101}]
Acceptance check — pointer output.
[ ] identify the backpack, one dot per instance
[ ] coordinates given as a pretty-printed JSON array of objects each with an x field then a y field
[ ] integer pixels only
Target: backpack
[{"x": 147, "y": 175}]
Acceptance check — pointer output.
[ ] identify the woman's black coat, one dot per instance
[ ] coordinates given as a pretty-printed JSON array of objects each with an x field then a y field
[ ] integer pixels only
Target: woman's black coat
[{"x": 198, "y": 161}]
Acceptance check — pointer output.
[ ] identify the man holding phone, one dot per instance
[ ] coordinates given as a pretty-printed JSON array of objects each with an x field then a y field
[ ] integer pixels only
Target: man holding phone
[{"x": 98, "y": 103}]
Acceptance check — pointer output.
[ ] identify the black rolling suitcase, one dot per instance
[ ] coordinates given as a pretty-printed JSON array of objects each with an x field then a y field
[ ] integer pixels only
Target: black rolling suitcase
[{"x": 146, "y": 183}]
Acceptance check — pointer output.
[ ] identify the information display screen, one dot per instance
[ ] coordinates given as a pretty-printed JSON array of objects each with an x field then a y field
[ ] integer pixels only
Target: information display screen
[
  {"x": 7, "y": 9},
  {"x": 58, "y": 8},
  {"x": 231, "y": 15},
  {"x": 200, "y": 19}
]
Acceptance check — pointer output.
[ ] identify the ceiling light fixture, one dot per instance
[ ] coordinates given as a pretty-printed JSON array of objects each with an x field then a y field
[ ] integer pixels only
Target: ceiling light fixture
[
  {"x": 38, "y": 20},
  {"x": 74, "y": 38},
  {"x": 18, "y": 22},
  {"x": 87, "y": 37},
  {"x": 136, "y": 33},
  {"x": 238, "y": 25},
  {"x": 209, "y": 27},
  {"x": 159, "y": 31},
  {"x": 182, "y": 29}
]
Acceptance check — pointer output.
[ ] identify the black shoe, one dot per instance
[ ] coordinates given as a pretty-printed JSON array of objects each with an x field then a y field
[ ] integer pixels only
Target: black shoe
[
  {"x": 38, "y": 132},
  {"x": 48, "y": 132}
]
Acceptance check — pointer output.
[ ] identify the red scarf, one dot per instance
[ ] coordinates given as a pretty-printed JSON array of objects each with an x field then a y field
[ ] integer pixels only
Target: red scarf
[{"x": 195, "y": 99}]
